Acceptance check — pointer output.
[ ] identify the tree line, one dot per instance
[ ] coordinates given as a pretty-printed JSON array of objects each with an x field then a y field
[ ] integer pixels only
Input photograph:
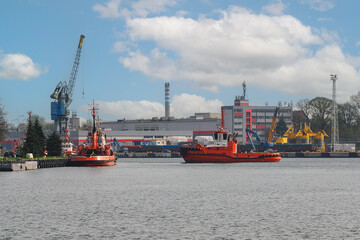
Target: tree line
[
  {"x": 319, "y": 112},
  {"x": 36, "y": 143}
]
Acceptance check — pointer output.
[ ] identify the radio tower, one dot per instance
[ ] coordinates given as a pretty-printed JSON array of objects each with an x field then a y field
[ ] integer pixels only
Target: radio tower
[{"x": 335, "y": 131}]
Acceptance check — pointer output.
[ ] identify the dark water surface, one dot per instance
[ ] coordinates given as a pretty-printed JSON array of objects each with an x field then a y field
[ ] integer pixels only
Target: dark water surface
[{"x": 167, "y": 199}]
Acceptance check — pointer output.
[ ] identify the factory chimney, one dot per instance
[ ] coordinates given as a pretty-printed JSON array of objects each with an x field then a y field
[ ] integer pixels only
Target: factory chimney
[{"x": 167, "y": 101}]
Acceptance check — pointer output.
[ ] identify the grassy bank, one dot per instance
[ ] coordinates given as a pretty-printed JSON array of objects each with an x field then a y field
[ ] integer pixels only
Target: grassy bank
[{"x": 29, "y": 159}]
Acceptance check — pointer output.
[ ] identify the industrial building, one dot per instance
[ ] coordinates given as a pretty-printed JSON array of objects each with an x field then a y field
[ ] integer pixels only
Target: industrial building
[
  {"x": 236, "y": 119},
  {"x": 257, "y": 118},
  {"x": 168, "y": 130},
  {"x": 176, "y": 129}
]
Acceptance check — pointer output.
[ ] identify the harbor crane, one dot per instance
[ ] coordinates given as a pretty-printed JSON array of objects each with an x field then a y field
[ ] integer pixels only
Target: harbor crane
[
  {"x": 62, "y": 96},
  {"x": 272, "y": 128},
  {"x": 264, "y": 145}
]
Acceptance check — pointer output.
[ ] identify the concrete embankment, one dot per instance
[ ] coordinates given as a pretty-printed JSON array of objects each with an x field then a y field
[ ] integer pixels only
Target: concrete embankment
[
  {"x": 33, "y": 164},
  {"x": 148, "y": 155},
  {"x": 320, "y": 154}
]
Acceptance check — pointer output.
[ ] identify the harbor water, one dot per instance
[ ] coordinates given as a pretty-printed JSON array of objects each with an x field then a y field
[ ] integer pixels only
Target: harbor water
[{"x": 168, "y": 199}]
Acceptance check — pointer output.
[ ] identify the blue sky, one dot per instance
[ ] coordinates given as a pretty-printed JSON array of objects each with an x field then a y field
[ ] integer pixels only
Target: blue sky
[{"x": 284, "y": 50}]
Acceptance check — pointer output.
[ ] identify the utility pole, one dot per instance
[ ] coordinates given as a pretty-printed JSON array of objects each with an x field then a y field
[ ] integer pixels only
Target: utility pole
[{"x": 335, "y": 132}]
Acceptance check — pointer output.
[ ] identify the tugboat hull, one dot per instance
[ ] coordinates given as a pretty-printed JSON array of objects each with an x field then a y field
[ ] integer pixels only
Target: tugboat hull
[
  {"x": 93, "y": 161},
  {"x": 214, "y": 158},
  {"x": 201, "y": 154}
]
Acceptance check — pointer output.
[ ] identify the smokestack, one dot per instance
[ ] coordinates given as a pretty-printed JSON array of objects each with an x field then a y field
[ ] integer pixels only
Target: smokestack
[{"x": 167, "y": 100}]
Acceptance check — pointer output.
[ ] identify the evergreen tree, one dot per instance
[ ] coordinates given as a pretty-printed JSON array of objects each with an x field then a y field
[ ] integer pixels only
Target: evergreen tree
[
  {"x": 281, "y": 127},
  {"x": 40, "y": 139},
  {"x": 35, "y": 139},
  {"x": 53, "y": 144},
  {"x": 29, "y": 142}
]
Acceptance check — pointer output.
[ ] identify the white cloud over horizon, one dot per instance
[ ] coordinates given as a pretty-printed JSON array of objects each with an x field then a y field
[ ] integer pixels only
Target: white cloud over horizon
[
  {"x": 16, "y": 66},
  {"x": 270, "y": 52},
  {"x": 181, "y": 106},
  {"x": 140, "y": 8},
  {"x": 319, "y": 5},
  {"x": 109, "y": 10},
  {"x": 276, "y": 7}
]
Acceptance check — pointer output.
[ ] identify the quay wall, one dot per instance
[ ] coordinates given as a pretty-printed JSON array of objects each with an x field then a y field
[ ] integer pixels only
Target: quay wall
[
  {"x": 320, "y": 154},
  {"x": 22, "y": 165}
]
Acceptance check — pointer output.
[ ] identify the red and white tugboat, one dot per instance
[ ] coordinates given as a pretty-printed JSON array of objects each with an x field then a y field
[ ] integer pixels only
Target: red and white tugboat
[
  {"x": 224, "y": 149},
  {"x": 67, "y": 147},
  {"x": 96, "y": 151}
]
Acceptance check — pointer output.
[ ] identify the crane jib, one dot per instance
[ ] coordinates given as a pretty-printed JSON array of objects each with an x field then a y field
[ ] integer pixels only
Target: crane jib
[{"x": 63, "y": 95}]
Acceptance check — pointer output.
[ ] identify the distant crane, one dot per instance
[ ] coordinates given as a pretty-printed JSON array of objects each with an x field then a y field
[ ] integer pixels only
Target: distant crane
[
  {"x": 63, "y": 96},
  {"x": 264, "y": 145},
  {"x": 272, "y": 128}
]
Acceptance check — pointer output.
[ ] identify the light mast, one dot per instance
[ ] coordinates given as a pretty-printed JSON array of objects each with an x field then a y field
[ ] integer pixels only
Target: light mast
[{"x": 335, "y": 131}]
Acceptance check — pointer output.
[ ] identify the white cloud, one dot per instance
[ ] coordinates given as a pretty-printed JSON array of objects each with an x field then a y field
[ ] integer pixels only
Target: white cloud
[
  {"x": 311, "y": 76},
  {"x": 182, "y": 106},
  {"x": 110, "y": 10},
  {"x": 275, "y": 8},
  {"x": 319, "y": 5},
  {"x": 157, "y": 65},
  {"x": 18, "y": 67},
  {"x": 330, "y": 36},
  {"x": 132, "y": 109},
  {"x": 358, "y": 43},
  {"x": 269, "y": 52},
  {"x": 181, "y": 13},
  {"x": 143, "y": 7},
  {"x": 119, "y": 47},
  {"x": 140, "y": 8},
  {"x": 185, "y": 105}
]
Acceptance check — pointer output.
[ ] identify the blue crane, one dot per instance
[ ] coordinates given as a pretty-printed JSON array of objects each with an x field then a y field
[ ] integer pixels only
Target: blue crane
[
  {"x": 62, "y": 96},
  {"x": 117, "y": 147},
  {"x": 263, "y": 144}
]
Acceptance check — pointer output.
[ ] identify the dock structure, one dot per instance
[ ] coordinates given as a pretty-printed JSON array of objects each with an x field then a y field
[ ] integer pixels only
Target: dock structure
[
  {"x": 56, "y": 162},
  {"x": 33, "y": 164},
  {"x": 148, "y": 155},
  {"x": 320, "y": 154}
]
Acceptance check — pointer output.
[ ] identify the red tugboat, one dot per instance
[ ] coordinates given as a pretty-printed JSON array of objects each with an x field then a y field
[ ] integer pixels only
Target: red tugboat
[
  {"x": 67, "y": 146},
  {"x": 224, "y": 150},
  {"x": 96, "y": 151}
]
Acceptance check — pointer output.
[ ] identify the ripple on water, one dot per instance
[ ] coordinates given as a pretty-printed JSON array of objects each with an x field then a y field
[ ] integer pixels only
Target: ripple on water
[{"x": 158, "y": 199}]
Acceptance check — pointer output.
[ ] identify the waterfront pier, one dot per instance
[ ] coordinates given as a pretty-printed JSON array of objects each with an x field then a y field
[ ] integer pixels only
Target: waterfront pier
[{"x": 22, "y": 165}]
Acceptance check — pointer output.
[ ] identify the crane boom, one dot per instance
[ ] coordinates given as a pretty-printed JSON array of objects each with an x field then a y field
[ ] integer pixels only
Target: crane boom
[
  {"x": 63, "y": 95},
  {"x": 270, "y": 137},
  {"x": 71, "y": 84}
]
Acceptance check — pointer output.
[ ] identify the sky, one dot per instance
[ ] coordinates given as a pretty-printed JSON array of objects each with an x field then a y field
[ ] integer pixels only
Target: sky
[{"x": 284, "y": 50}]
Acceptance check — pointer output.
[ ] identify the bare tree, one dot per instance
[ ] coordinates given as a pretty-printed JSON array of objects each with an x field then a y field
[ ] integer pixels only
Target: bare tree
[
  {"x": 3, "y": 123},
  {"x": 303, "y": 105},
  {"x": 355, "y": 99}
]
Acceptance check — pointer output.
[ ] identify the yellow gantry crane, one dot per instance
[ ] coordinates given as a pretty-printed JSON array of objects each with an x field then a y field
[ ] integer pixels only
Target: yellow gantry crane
[
  {"x": 305, "y": 135},
  {"x": 319, "y": 136},
  {"x": 289, "y": 134}
]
